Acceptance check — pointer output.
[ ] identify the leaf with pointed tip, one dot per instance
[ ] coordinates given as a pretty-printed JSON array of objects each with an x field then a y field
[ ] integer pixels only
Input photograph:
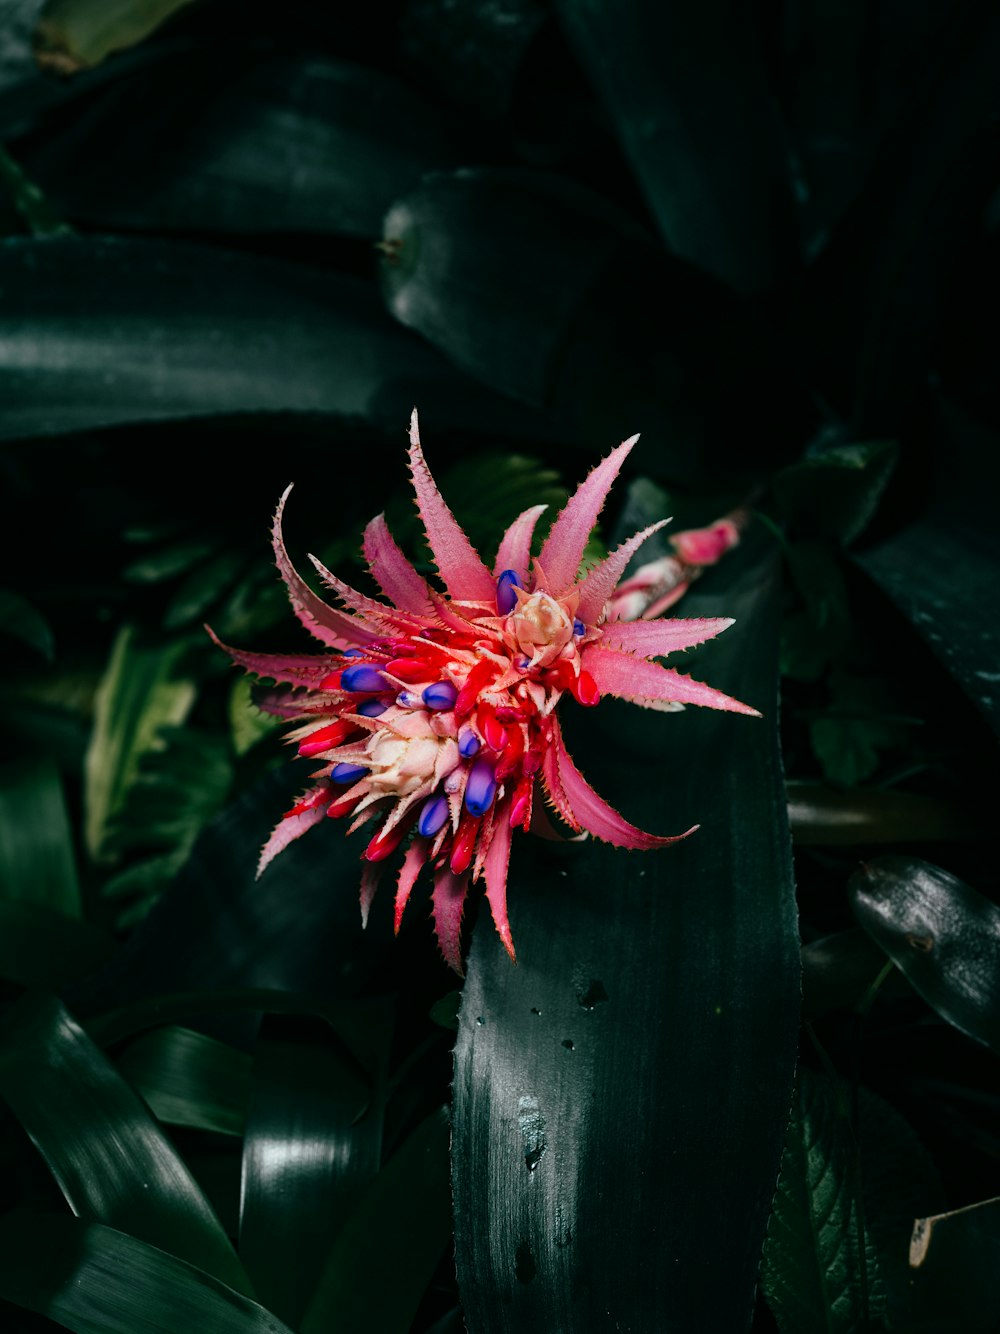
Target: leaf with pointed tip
[
  {"x": 96, "y": 1280},
  {"x": 941, "y": 933},
  {"x": 189, "y": 1078},
  {"x": 111, "y": 1160},
  {"x": 20, "y": 620},
  {"x": 820, "y": 1269},
  {"x": 570, "y": 1207}
]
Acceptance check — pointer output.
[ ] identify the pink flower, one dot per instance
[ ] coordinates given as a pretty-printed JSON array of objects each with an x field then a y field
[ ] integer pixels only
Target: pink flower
[{"x": 433, "y": 715}]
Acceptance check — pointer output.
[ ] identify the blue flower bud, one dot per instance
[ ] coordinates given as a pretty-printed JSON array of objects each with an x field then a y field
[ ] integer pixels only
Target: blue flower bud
[
  {"x": 348, "y": 773},
  {"x": 481, "y": 788},
  {"x": 506, "y": 597},
  {"x": 372, "y": 708},
  {"x": 441, "y": 695},
  {"x": 362, "y": 679},
  {"x": 433, "y": 814},
  {"x": 578, "y": 626},
  {"x": 468, "y": 743}
]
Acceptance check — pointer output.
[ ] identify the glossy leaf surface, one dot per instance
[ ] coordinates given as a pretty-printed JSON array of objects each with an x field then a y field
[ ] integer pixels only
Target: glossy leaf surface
[
  {"x": 313, "y": 1143},
  {"x": 400, "y": 1227},
  {"x": 941, "y": 933},
  {"x": 109, "y": 1157},
  {"x": 93, "y": 1279},
  {"x": 37, "y": 860},
  {"x": 639, "y": 975},
  {"x": 189, "y": 1078}
]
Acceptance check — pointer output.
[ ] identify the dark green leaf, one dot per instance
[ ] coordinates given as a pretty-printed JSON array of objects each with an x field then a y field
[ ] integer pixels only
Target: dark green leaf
[
  {"x": 297, "y": 928},
  {"x": 313, "y": 1143},
  {"x": 96, "y": 1280},
  {"x": 136, "y": 698},
  {"x": 169, "y": 561},
  {"x": 943, "y": 934},
  {"x": 837, "y": 971},
  {"x": 820, "y": 1270},
  {"x": 201, "y": 588},
  {"x": 37, "y": 861},
  {"x": 85, "y": 32},
  {"x": 638, "y": 976},
  {"x": 247, "y": 723},
  {"x": 38, "y": 215},
  {"x": 42, "y": 946},
  {"x": 445, "y": 1011},
  {"x": 189, "y": 1078},
  {"x": 822, "y": 629},
  {"x": 384, "y": 1256},
  {"x": 283, "y": 144},
  {"x": 953, "y": 1266},
  {"x": 19, "y": 619},
  {"x": 146, "y": 330},
  {"x": 821, "y": 815},
  {"x": 111, "y": 1160},
  {"x": 835, "y": 492},
  {"x": 688, "y": 91},
  {"x": 862, "y": 722}
]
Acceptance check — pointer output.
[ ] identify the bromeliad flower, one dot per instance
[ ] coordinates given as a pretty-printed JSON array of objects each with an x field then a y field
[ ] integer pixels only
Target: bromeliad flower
[{"x": 433, "y": 715}]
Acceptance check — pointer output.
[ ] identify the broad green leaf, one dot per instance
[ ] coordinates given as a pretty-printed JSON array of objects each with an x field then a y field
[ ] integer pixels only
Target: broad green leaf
[
  {"x": 834, "y": 492},
  {"x": 941, "y": 933},
  {"x": 94, "y": 1279},
  {"x": 688, "y": 92},
  {"x": 144, "y": 330},
  {"x": 384, "y": 1256},
  {"x": 822, "y": 815},
  {"x": 639, "y": 975},
  {"x": 137, "y": 697},
  {"x": 952, "y": 1271},
  {"x": 20, "y": 620},
  {"x": 108, "y": 1156},
  {"x": 37, "y": 859},
  {"x": 38, "y": 215},
  {"x": 820, "y": 1269},
  {"x": 220, "y": 163},
  {"x": 821, "y": 629},
  {"x": 201, "y": 588},
  {"x": 189, "y": 1078},
  {"x": 313, "y": 1143},
  {"x": 43, "y": 946},
  {"x": 167, "y": 562}
]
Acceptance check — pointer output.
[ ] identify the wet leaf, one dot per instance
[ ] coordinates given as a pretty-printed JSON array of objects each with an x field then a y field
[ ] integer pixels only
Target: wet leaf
[
  {"x": 95, "y": 1280},
  {"x": 401, "y": 1227},
  {"x": 820, "y": 1269},
  {"x": 567, "y": 1066},
  {"x": 109, "y": 1157},
  {"x": 941, "y": 933}
]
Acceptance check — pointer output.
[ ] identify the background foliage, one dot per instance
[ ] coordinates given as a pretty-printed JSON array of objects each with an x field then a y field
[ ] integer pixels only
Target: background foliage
[{"x": 723, "y": 1082}]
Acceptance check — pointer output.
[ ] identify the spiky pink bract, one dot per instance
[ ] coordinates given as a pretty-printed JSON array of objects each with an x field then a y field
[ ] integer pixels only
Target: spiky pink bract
[{"x": 433, "y": 714}]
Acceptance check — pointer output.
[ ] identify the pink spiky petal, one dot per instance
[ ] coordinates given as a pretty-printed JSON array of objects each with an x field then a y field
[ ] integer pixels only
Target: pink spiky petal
[
  {"x": 448, "y": 901},
  {"x": 600, "y": 583},
  {"x": 514, "y": 552},
  {"x": 327, "y": 625},
  {"x": 495, "y": 870},
  {"x": 287, "y": 831},
  {"x": 370, "y": 877},
  {"x": 285, "y": 668},
  {"x": 635, "y": 679},
  {"x": 655, "y": 639},
  {"x": 463, "y": 572},
  {"x": 416, "y": 856},
  {"x": 375, "y": 613},
  {"x": 594, "y": 813},
  {"x": 563, "y": 550},
  {"x": 394, "y": 574}
]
